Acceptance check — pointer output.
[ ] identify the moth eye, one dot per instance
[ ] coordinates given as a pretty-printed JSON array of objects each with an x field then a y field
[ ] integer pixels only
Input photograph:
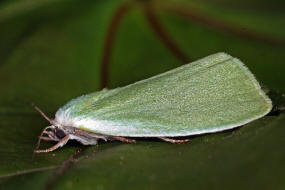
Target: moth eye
[{"x": 60, "y": 133}]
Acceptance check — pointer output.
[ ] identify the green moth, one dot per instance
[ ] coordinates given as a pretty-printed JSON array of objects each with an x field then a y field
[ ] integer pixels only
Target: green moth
[{"x": 212, "y": 94}]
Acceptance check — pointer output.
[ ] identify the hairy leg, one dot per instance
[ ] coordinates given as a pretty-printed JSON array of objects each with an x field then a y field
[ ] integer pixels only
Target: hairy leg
[
  {"x": 174, "y": 141},
  {"x": 46, "y": 139},
  {"x": 122, "y": 139},
  {"x": 62, "y": 142},
  {"x": 44, "y": 131}
]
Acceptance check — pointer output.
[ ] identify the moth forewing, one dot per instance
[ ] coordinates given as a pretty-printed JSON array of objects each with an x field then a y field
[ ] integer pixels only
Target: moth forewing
[{"x": 212, "y": 94}]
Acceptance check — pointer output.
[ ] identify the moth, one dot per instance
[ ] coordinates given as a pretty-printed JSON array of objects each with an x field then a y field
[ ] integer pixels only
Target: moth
[{"x": 213, "y": 94}]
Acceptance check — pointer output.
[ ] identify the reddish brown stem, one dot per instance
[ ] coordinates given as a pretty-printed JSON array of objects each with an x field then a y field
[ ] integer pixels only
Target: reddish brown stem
[
  {"x": 162, "y": 34},
  {"x": 121, "y": 11},
  {"x": 62, "y": 168},
  {"x": 211, "y": 22}
]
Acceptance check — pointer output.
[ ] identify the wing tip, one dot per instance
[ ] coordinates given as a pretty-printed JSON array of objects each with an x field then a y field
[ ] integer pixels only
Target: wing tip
[
  {"x": 222, "y": 55},
  {"x": 253, "y": 79}
]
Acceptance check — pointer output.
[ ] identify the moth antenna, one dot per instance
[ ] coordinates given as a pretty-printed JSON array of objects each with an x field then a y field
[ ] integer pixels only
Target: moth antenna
[
  {"x": 39, "y": 110},
  {"x": 42, "y": 113}
]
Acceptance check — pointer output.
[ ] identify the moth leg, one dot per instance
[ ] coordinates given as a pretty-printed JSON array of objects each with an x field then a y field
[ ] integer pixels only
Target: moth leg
[
  {"x": 174, "y": 141},
  {"x": 48, "y": 133},
  {"x": 122, "y": 139},
  {"x": 45, "y": 138},
  {"x": 51, "y": 135},
  {"x": 61, "y": 143},
  {"x": 44, "y": 131}
]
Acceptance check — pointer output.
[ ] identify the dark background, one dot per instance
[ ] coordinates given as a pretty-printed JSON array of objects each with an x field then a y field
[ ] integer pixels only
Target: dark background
[{"x": 54, "y": 50}]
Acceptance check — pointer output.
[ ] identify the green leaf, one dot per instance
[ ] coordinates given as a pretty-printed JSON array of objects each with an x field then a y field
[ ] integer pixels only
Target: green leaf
[{"x": 52, "y": 51}]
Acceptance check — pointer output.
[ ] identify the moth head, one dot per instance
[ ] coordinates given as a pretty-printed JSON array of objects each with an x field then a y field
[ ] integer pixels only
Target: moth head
[
  {"x": 59, "y": 133},
  {"x": 52, "y": 133}
]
